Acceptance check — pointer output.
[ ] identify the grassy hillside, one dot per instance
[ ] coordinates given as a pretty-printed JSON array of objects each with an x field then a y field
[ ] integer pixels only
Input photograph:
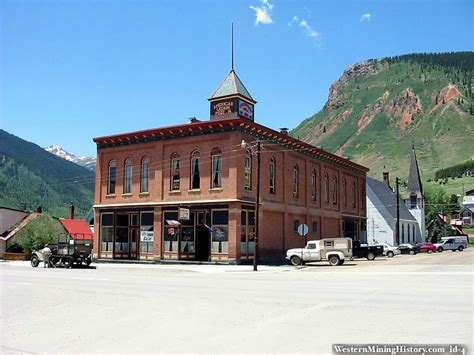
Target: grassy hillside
[
  {"x": 29, "y": 175},
  {"x": 378, "y": 108}
]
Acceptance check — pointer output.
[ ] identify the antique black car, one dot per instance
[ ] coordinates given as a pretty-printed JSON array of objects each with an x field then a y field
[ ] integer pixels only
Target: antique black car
[{"x": 66, "y": 252}]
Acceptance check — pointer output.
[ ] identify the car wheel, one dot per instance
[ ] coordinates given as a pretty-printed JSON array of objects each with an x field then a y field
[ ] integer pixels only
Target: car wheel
[
  {"x": 341, "y": 262},
  {"x": 461, "y": 248},
  {"x": 88, "y": 262},
  {"x": 453, "y": 250},
  {"x": 390, "y": 254},
  {"x": 67, "y": 263},
  {"x": 440, "y": 249},
  {"x": 430, "y": 251},
  {"x": 34, "y": 261},
  {"x": 295, "y": 260},
  {"x": 370, "y": 256},
  {"x": 334, "y": 260},
  {"x": 412, "y": 252}
]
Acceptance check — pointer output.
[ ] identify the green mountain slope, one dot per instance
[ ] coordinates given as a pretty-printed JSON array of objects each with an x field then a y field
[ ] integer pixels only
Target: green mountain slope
[
  {"x": 30, "y": 175},
  {"x": 379, "y": 107}
]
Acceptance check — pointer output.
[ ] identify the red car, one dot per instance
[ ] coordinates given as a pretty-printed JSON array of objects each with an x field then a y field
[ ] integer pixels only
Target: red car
[{"x": 426, "y": 247}]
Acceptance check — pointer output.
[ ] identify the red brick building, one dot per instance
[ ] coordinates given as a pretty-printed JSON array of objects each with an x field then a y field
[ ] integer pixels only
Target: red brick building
[{"x": 143, "y": 178}]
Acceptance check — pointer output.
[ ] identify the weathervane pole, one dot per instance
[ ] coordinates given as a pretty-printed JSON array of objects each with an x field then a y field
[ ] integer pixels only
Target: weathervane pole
[{"x": 232, "y": 45}]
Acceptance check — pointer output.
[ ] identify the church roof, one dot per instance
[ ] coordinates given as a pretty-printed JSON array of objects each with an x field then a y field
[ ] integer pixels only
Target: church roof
[
  {"x": 388, "y": 200},
  {"x": 414, "y": 178},
  {"x": 232, "y": 85}
]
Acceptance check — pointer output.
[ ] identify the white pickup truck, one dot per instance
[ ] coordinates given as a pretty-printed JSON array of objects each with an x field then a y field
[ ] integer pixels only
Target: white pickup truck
[{"x": 334, "y": 250}]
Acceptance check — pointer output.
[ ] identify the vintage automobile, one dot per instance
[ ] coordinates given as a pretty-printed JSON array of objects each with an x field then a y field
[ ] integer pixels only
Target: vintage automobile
[
  {"x": 66, "y": 252},
  {"x": 334, "y": 250}
]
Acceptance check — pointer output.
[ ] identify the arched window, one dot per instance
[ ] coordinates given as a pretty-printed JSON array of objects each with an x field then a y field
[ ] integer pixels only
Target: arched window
[
  {"x": 175, "y": 177},
  {"x": 248, "y": 170},
  {"x": 272, "y": 176},
  {"x": 354, "y": 194},
  {"x": 313, "y": 186},
  {"x": 112, "y": 177},
  {"x": 145, "y": 174},
  {"x": 334, "y": 190},
  {"x": 216, "y": 161},
  {"x": 403, "y": 233},
  {"x": 195, "y": 174},
  {"x": 296, "y": 181},
  {"x": 408, "y": 233},
  {"x": 326, "y": 188},
  {"x": 344, "y": 192},
  {"x": 127, "y": 177}
]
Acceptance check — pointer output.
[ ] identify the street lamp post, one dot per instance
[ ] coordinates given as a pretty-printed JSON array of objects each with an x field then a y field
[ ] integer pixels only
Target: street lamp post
[{"x": 257, "y": 206}]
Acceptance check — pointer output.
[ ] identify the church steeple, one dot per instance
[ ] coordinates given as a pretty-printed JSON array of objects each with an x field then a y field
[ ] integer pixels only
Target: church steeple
[
  {"x": 231, "y": 98},
  {"x": 414, "y": 178}
]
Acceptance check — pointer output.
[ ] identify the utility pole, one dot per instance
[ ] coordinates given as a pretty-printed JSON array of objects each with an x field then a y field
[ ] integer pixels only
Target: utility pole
[
  {"x": 257, "y": 211},
  {"x": 397, "y": 232}
]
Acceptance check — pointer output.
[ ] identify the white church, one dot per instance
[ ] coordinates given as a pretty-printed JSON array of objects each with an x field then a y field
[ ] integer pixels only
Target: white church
[{"x": 382, "y": 209}]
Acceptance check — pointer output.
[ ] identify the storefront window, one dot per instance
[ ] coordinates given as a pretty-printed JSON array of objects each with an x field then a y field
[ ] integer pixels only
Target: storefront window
[
  {"x": 247, "y": 234},
  {"x": 106, "y": 231},
  {"x": 220, "y": 234},
  {"x": 147, "y": 235},
  {"x": 170, "y": 233},
  {"x": 121, "y": 236}
]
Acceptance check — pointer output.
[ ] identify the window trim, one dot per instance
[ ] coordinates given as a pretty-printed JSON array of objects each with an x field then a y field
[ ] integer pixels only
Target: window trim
[
  {"x": 272, "y": 176},
  {"x": 195, "y": 156},
  {"x": 296, "y": 181},
  {"x": 175, "y": 168},
  {"x": 314, "y": 193},
  {"x": 127, "y": 176},
  {"x": 334, "y": 190},
  {"x": 145, "y": 162},
  {"x": 216, "y": 154},
  {"x": 248, "y": 171}
]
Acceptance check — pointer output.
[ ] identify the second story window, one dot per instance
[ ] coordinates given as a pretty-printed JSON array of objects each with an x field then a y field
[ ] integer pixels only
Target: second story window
[
  {"x": 175, "y": 172},
  {"x": 334, "y": 190},
  {"x": 248, "y": 171},
  {"x": 296, "y": 182},
  {"x": 112, "y": 177},
  {"x": 145, "y": 174},
  {"x": 326, "y": 188},
  {"x": 313, "y": 186},
  {"x": 272, "y": 176},
  {"x": 195, "y": 174},
  {"x": 127, "y": 177},
  {"x": 216, "y": 158},
  {"x": 344, "y": 192},
  {"x": 354, "y": 194}
]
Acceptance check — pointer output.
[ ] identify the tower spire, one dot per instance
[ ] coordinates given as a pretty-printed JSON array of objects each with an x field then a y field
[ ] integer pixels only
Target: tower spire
[{"x": 232, "y": 41}]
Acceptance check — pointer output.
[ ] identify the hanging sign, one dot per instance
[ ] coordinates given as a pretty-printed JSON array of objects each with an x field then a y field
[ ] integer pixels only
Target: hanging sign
[{"x": 303, "y": 229}]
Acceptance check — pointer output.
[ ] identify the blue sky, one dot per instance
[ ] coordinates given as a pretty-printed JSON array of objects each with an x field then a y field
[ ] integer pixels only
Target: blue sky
[{"x": 74, "y": 70}]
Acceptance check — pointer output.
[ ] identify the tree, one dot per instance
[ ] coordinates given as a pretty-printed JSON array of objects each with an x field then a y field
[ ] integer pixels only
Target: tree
[
  {"x": 38, "y": 232},
  {"x": 435, "y": 200},
  {"x": 453, "y": 205}
]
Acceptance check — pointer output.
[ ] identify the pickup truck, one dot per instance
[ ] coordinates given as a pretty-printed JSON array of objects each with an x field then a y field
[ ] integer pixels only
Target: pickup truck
[
  {"x": 334, "y": 250},
  {"x": 365, "y": 251}
]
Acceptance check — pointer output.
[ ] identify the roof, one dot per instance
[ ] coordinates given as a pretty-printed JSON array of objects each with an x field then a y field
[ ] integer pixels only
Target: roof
[
  {"x": 232, "y": 85},
  {"x": 388, "y": 199},
  {"x": 414, "y": 178},
  {"x": 220, "y": 125},
  {"x": 12, "y": 209},
  {"x": 10, "y": 233},
  {"x": 77, "y": 228}
]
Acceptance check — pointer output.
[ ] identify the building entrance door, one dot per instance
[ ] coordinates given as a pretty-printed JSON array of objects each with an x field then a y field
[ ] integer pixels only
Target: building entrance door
[{"x": 203, "y": 242}]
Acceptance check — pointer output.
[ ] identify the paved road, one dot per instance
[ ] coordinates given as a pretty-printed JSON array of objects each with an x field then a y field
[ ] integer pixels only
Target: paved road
[{"x": 174, "y": 308}]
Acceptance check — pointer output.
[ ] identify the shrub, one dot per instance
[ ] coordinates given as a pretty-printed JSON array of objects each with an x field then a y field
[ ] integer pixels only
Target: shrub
[{"x": 38, "y": 232}]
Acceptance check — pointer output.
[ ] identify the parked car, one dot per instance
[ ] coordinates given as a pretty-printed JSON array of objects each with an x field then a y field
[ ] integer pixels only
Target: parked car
[
  {"x": 389, "y": 250},
  {"x": 426, "y": 247},
  {"x": 366, "y": 251},
  {"x": 334, "y": 250},
  {"x": 451, "y": 243},
  {"x": 408, "y": 249}
]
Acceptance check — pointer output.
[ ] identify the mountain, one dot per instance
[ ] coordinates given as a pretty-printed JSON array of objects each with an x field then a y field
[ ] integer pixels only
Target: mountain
[
  {"x": 30, "y": 175},
  {"x": 379, "y": 108},
  {"x": 86, "y": 162}
]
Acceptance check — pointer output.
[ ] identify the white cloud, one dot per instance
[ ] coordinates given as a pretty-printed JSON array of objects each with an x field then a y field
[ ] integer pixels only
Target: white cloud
[
  {"x": 365, "y": 17},
  {"x": 263, "y": 13},
  {"x": 309, "y": 30}
]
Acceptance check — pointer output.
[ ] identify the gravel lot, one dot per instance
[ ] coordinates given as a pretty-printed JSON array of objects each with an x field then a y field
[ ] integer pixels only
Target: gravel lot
[{"x": 207, "y": 308}]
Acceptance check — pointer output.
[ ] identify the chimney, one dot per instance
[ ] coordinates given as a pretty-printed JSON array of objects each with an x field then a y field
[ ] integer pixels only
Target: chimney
[
  {"x": 284, "y": 130},
  {"x": 71, "y": 210},
  {"x": 193, "y": 120},
  {"x": 386, "y": 177}
]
